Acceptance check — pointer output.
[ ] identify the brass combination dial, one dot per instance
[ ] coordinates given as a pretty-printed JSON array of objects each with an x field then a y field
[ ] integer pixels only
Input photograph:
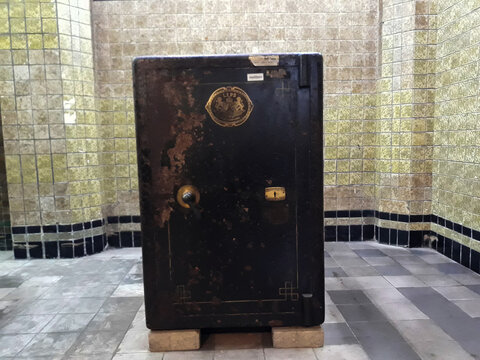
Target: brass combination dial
[{"x": 188, "y": 196}]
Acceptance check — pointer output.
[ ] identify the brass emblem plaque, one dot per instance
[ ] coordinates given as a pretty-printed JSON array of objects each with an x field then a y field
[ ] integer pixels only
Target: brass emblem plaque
[{"x": 229, "y": 106}]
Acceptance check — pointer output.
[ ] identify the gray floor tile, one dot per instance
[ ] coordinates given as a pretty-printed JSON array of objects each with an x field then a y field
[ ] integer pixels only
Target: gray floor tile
[
  {"x": 13, "y": 344},
  {"x": 139, "y": 322},
  {"x": 438, "y": 280},
  {"x": 100, "y": 290},
  {"x": 384, "y": 295},
  {"x": 471, "y": 307},
  {"x": 404, "y": 310},
  {"x": 138, "y": 356},
  {"x": 360, "y": 271},
  {"x": 444, "y": 313},
  {"x": 451, "y": 268},
  {"x": 365, "y": 283},
  {"x": 5, "y": 291},
  {"x": 333, "y": 315},
  {"x": 68, "y": 323},
  {"x": 392, "y": 270},
  {"x": 382, "y": 350},
  {"x": 132, "y": 279},
  {"x": 380, "y": 330},
  {"x": 433, "y": 350},
  {"x": 338, "y": 334},
  {"x": 120, "y": 304},
  {"x": 422, "y": 269},
  {"x": 348, "y": 297},
  {"x": 422, "y": 251},
  {"x": 46, "y": 357},
  {"x": 43, "y": 281},
  {"x": 26, "y": 324},
  {"x": 96, "y": 357},
  {"x": 76, "y": 280},
  {"x": 380, "y": 261},
  {"x": 457, "y": 292},
  {"x": 63, "y": 292},
  {"x": 9, "y": 281},
  {"x": 330, "y": 262},
  {"x": 243, "y": 354},
  {"x": 408, "y": 260},
  {"x": 5, "y": 304},
  {"x": 335, "y": 284},
  {"x": 435, "y": 259},
  {"x": 405, "y": 281},
  {"x": 356, "y": 245},
  {"x": 475, "y": 288},
  {"x": 369, "y": 253},
  {"x": 41, "y": 307},
  {"x": 101, "y": 342},
  {"x": 350, "y": 261},
  {"x": 328, "y": 300},
  {"x": 341, "y": 352},
  {"x": 363, "y": 312},
  {"x": 134, "y": 342},
  {"x": 471, "y": 346},
  {"x": 421, "y": 330},
  {"x": 393, "y": 250},
  {"x": 81, "y": 305},
  {"x": 119, "y": 321},
  {"x": 467, "y": 279},
  {"x": 136, "y": 268},
  {"x": 129, "y": 290},
  {"x": 335, "y": 272},
  {"x": 189, "y": 355},
  {"x": 49, "y": 344},
  {"x": 26, "y": 293},
  {"x": 289, "y": 354}
]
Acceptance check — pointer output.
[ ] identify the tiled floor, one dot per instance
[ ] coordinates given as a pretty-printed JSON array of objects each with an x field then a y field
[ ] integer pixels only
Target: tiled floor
[{"x": 381, "y": 303}]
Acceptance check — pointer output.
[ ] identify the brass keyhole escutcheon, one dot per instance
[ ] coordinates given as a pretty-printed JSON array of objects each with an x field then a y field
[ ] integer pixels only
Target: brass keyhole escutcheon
[
  {"x": 275, "y": 193},
  {"x": 187, "y": 196}
]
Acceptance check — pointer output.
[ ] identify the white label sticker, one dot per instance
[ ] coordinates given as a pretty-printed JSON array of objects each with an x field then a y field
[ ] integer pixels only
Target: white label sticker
[{"x": 255, "y": 77}]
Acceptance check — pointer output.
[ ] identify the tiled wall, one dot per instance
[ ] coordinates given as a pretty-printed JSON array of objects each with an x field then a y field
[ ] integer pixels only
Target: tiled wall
[
  {"x": 67, "y": 106},
  {"x": 404, "y": 130},
  {"x": 50, "y": 131},
  {"x": 456, "y": 142},
  {"x": 345, "y": 31},
  {"x": 400, "y": 117}
]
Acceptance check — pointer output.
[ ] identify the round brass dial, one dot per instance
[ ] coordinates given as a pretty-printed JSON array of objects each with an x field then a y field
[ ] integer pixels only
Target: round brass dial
[{"x": 184, "y": 190}]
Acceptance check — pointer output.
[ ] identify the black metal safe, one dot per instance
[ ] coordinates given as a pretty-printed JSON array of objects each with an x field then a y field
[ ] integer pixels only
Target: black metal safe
[{"x": 231, "y": 190}]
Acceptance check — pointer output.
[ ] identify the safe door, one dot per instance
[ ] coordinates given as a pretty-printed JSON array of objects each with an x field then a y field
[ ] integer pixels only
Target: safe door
[{"x": 230, "y": 180}]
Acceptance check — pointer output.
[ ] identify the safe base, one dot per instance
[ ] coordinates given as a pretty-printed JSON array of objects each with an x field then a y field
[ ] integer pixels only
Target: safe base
[
  {"x": 174, "y": 340},
  {"x": 282, "y": 337},
  {"x": 297, "y": 337}
]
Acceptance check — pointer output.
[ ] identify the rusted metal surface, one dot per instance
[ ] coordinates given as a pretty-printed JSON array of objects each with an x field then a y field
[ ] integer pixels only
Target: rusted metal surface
[{"x": 233, "y": 258}]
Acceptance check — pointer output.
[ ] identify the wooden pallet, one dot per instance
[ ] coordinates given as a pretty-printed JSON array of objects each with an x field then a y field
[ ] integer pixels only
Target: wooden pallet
[{"x": 282, "y": 337}]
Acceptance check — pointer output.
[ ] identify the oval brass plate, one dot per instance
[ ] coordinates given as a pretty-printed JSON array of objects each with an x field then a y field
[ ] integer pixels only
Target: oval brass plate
[{"x": 229, "y": 106}]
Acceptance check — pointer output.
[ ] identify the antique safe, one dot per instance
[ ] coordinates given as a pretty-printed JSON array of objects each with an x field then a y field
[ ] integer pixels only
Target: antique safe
[{"x": 231, "y": 190}]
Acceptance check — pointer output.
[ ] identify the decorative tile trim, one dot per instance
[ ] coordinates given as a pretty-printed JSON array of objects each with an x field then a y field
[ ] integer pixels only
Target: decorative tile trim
[
  {"x": 460, "y": 253},
  {"x": 377, "y": 214},
  {"x": 76, "y": 240},
  {"x": 386, "y": 228},
  {"x": 6, "y": 242}
]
